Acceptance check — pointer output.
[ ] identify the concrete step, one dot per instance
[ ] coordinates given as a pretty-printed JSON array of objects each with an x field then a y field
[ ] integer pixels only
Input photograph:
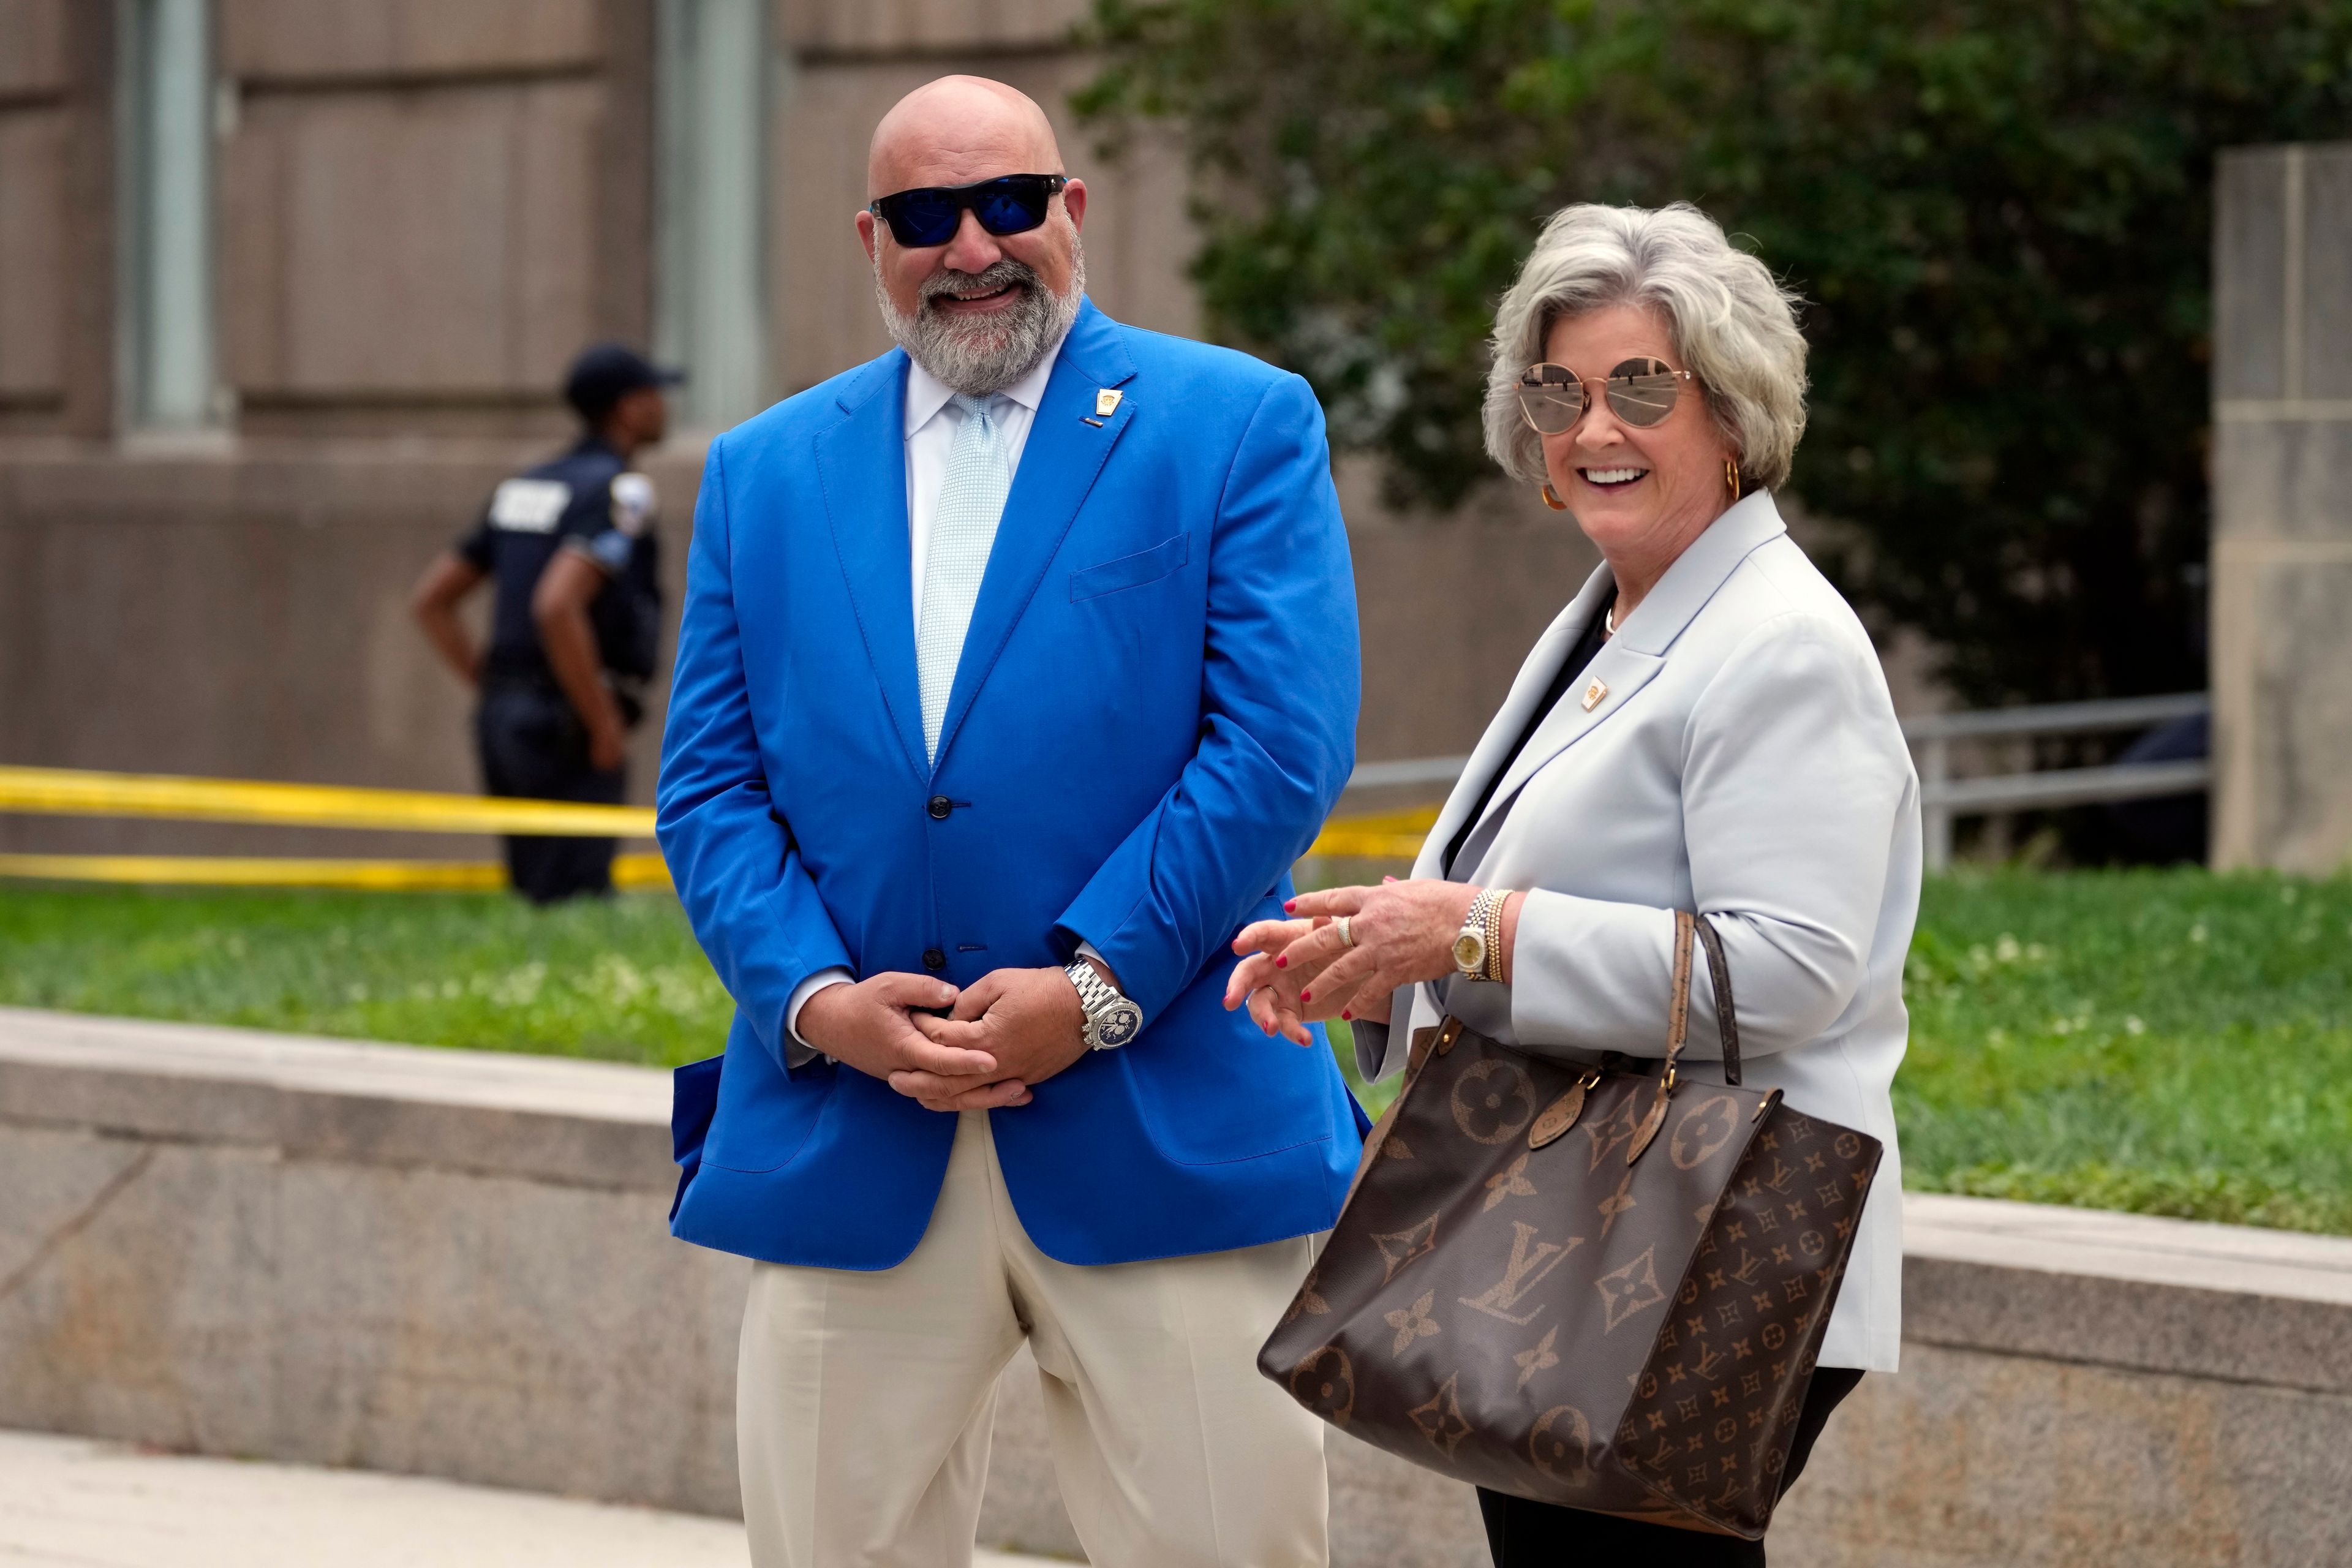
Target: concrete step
[
  {"x": 73, "y": 1502},
  {"x": 340, "y": 1251}
]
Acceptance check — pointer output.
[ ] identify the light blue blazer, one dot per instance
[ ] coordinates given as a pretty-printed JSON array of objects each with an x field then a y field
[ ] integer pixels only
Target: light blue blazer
[{"x": 1155, "y": 709}]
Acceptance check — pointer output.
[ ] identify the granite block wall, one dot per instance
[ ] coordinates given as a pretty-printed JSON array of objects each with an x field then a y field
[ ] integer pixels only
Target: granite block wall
[
  {"x": 2282, "y": 569},
  {"x": 453, "y": 1263}
]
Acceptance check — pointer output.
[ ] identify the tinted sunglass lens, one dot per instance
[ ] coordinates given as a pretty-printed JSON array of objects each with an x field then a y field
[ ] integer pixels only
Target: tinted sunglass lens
[
  {"x": 1012, "y": 209},
  {"x": 1645, "y": 400},
  {"x": 1641, "y": 392},
  {"x": 1551, "y": 400},
  {"x": 1551, "y": 413},
  {"x": 920, "y": 218}
]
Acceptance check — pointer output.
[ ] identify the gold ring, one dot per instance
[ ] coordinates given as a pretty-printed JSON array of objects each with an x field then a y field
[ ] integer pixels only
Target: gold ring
[{"x": 1347, "y": 936}]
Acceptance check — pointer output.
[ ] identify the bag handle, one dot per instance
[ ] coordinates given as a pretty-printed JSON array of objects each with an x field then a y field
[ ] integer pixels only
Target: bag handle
[
  {"x": 1678, "y": 1000},
  {"x": 1727, "y": 1016},
  {"x": 1688, "y": 926}
]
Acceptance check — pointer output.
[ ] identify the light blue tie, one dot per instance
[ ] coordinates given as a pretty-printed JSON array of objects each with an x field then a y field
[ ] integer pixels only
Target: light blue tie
[{"x": 971, "y": 500}]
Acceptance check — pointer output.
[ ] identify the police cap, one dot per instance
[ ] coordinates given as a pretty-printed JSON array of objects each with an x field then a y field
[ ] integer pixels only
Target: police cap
[{"x": 607, "y": 372}]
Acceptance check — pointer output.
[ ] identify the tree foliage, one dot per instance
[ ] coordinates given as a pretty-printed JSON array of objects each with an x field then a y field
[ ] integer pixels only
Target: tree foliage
[{"x": 2000, "y": 212}]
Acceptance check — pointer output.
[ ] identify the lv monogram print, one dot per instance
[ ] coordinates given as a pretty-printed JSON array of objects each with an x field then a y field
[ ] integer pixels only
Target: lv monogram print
[
  {"x": 1532, "y": 1259},
  {"x": 1441, "y": 1419},
  {"x": 1711, "y": 1419},
  {"x": 1492, "y": 1101},
  {"x": 1413, "y": 1322},
  {"x": 1510, "y": 1302},
  {"x": 1399, "y": 1247},
  {"x": 1510, "y": 1182},
  {"x": 1626, "y": 1291}
]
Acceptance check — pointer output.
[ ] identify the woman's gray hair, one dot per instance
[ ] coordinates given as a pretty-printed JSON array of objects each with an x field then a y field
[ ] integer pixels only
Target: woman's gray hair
[{"x": 1733, "y": 326}]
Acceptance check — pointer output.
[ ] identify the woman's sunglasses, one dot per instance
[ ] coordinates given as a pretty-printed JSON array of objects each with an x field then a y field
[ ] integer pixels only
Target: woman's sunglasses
[
  {"x": 1640, "y": 392},
  {"x": 930, "y": 215}
]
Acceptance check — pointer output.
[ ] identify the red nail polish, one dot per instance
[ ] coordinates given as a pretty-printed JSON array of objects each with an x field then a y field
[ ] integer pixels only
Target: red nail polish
[
  {"x": 1347, "y": 1015},
  {"x": 1282, "y": 961},
  {"x": 1307, "y": 996}
]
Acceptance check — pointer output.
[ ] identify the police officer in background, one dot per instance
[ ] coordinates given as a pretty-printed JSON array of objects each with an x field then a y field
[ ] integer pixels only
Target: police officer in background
[{"x": 577, "y": 616}]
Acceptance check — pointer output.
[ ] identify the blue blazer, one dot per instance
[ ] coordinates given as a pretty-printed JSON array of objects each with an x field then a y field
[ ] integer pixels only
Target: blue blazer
[{"x": 1155, "y": 709}]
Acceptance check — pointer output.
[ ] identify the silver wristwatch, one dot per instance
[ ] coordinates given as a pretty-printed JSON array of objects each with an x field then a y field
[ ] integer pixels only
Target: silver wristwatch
[
  {"x": 1478, "y": 949},
  {"x": 1111, "y": 1019}
]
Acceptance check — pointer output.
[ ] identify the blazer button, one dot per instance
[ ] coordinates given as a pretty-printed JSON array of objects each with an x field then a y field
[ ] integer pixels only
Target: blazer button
[
  {"x": 938, "y": 807},
  {"x": 934, "y": 959}
]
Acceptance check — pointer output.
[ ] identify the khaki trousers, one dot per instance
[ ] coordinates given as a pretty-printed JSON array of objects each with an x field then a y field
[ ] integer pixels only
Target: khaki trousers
[{"x": 865, "y": 1400}]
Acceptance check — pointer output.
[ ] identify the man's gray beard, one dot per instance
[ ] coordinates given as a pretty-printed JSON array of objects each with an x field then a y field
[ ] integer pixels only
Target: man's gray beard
[{"x": 983, "y": 355}]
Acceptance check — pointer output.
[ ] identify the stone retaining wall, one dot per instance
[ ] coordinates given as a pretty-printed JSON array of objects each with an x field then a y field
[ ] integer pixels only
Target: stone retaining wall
[{"x": 453, "y": 1263}]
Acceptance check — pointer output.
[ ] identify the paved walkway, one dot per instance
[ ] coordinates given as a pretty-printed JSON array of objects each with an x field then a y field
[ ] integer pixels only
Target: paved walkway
[{"x": 70, "y": 1503}]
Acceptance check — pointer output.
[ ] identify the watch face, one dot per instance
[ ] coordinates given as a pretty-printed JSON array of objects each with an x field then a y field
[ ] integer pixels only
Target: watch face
[
  {"x": 1118, "y": 1023},
  {"x": 1469, "y": 952}
]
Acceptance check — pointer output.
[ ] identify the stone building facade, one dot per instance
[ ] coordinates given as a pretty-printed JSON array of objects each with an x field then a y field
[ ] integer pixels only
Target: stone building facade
[{"x": 287, "y": 285}]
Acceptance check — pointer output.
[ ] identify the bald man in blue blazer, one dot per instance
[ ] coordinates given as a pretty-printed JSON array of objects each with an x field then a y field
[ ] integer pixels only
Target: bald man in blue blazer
[{"x": 1018, "y": 665}]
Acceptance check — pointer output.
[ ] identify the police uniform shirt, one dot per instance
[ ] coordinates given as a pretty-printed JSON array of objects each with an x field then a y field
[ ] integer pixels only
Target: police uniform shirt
[{"x": 586, "y": 500}]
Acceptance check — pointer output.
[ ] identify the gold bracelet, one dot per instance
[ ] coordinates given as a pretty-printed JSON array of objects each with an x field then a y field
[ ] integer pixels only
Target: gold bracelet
[{"x": 1493, "y": 929}]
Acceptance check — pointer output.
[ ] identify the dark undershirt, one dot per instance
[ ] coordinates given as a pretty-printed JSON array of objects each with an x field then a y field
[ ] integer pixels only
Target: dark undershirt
[{"x": 1571, "y": 669}]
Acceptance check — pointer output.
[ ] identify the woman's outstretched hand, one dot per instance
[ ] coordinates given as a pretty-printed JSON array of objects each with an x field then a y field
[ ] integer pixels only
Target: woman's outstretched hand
[
  {"x": 1301, "y": 969},
  {"x": 1262, "y": 944}
]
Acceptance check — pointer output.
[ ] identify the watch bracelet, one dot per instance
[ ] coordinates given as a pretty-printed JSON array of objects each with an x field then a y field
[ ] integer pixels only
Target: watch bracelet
[
  {"x": 1094, "y": 991},
  {"x": 1472, "y": 924},
  {"x": 1476, "y": 921}
]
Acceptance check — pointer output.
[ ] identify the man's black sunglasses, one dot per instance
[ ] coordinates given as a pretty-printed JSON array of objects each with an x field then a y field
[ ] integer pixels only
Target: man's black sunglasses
[{"x": 1014, "y": 203}]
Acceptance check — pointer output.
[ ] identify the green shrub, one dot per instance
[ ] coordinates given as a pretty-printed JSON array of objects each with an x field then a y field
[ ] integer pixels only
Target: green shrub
[{"x": 2000, "y": 210}]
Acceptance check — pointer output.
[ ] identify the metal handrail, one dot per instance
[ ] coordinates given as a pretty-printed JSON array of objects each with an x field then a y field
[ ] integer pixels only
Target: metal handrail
[
  {"x": 1408, "y": 770},
  {"x": 2066, "y": 786},
  {"x": 2058, "y": 717},
  {"x": 1943, "y": 797}
]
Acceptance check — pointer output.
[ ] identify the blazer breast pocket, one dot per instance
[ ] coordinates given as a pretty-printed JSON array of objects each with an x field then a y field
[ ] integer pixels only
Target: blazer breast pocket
[{"x": 1132, "y": 571}]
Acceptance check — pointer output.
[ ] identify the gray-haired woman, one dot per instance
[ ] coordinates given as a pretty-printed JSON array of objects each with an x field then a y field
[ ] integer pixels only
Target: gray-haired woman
[{"x": 1705, "y": 727}]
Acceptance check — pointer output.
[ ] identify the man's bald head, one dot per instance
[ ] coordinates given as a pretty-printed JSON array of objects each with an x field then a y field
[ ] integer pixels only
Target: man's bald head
[
  {"x": 980, "y": 308},
  {"x": 956, "y": 130}
]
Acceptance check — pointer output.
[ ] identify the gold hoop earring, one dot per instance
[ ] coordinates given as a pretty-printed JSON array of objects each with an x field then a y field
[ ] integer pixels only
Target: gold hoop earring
[
  {"x": 1551, "y": 499},
  {"x": 1731, "y": 476}
]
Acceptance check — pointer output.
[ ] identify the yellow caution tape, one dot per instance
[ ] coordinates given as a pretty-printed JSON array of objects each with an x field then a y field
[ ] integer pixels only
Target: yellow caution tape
[
  {"x": 1390, "y": 836},
  {"x": 1339, "y": 843},
  {"x": 72, "y": 792},
  {"x": 636, "y": 872},
  {"x": 629, "y": 871}
]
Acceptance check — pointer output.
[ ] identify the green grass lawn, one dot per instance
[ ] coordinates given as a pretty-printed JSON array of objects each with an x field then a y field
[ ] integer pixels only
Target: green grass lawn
[
  {"x": 2168, "y": 1042},
  {"x": 620, "y": 979}
]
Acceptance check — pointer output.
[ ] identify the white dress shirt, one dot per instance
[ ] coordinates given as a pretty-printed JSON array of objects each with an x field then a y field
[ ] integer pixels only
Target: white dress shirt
[{"x": 931, "y": 421}]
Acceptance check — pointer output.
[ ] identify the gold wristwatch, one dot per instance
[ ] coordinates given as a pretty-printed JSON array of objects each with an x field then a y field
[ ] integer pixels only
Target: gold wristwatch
[{"x": 1478, "y": 949}]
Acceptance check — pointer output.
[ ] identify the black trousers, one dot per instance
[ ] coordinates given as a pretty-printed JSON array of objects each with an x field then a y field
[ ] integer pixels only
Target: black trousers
[
  {"x": 1524, "y": 1534},
  {"x": 533, "y": 747}
]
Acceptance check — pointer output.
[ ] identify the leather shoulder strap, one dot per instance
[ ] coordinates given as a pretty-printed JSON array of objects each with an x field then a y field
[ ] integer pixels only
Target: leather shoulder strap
[
  {"x": 1678, "y": 999},
  {"x": 1726, "y": 1016}
]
